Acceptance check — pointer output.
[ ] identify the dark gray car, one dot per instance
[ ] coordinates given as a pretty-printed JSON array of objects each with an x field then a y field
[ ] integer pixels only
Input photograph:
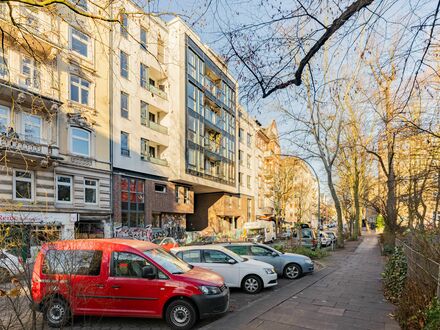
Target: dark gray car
[{"x": 289, "y": 265}]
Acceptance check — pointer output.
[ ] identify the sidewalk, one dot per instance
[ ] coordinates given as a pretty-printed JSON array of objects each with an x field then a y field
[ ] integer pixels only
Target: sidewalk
[{"x": 345, "y": 295}]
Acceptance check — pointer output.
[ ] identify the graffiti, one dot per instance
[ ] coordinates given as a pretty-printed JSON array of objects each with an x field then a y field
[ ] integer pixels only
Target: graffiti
[
  {"x": 174, "y": 225},
  {"x": 143, "y": 234}
]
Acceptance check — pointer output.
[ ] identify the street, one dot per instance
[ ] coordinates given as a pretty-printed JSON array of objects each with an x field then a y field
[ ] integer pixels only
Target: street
[{"x": 343, "y": 294}]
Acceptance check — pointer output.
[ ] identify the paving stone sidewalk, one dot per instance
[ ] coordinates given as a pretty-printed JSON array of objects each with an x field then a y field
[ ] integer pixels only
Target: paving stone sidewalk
[{"x": 345, "y": 295}]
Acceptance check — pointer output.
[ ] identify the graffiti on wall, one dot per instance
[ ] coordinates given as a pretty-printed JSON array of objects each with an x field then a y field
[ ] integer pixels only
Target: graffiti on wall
[
  {"x": 174, "y": 225},
  {"x": 143, "y": 234}
]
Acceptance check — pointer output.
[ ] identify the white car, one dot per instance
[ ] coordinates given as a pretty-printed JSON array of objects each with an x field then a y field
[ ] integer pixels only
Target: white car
[
  {"x": 325, "y": 239},
  {"x": 10, "y": 265},
  {"x": 250, "y": 275}
]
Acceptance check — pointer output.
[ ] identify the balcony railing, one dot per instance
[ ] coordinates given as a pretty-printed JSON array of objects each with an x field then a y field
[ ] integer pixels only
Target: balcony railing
[
  {"x": 158, "y": 127},
  {"x": 27, "y": 144},
  {"x": 157, "y": 91},
  {"x": 154, "y": 160}
]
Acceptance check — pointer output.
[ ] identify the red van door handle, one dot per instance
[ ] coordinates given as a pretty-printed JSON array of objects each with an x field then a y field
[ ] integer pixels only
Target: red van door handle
[
  {"x": 116, "y": 286},
  {"x": 101, "y": 286}
]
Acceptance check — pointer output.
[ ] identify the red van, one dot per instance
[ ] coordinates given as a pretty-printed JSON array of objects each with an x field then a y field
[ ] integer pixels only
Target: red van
[{"x": 117, "y": 277}]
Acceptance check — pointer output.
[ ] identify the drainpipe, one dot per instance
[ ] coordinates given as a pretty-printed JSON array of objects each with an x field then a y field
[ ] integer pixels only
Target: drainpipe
[{"x": 110, "y": 88}]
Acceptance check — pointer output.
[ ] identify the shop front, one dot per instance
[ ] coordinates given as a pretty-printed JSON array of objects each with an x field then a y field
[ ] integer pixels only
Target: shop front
[{"x": 25, "y": 232}]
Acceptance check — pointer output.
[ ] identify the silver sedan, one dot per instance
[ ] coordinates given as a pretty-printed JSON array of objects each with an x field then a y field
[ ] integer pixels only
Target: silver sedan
[{"x": 288, "y": 265}]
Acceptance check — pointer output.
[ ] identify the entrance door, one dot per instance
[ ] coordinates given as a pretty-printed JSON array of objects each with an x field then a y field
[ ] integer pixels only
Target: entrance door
[{"x": 132, "y": 294}]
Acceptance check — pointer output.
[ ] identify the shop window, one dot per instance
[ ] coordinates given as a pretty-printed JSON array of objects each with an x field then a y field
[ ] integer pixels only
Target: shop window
[
  {"x": 132, "y": 202},
  {"x": 90, "y": 191},
  {"x": 23, "y": 185},
  {"x": 89, "y": 229},
  {"x": 64, "y": 189}
]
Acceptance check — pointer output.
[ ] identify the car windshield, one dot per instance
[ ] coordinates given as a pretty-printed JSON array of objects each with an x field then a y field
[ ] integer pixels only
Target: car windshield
[{"x": 168, "y": 261}]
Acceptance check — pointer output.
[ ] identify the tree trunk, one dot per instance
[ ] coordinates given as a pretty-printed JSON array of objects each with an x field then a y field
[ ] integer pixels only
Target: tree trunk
[
  {"x": 357, "y": 210},
  {"x": 340, "y": 242},
  {"x": 391, "y": 212}
]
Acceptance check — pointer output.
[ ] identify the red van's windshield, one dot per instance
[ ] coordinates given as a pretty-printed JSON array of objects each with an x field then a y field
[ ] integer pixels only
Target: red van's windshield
[{"x": 168, "y": 261}]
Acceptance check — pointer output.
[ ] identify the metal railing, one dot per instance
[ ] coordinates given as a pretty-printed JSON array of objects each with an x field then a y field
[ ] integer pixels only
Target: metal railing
[
  {"x": 27, "y": 144},
  {"x": 420, "y": 266}
]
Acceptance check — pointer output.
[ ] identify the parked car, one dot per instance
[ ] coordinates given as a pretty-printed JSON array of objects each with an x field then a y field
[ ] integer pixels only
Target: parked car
[
  {"x": 260, "y": 231},
  {"x": 308, "y": 238},
  {"x": 288, "y": 265},
  {"x": 325, "y": 239},
  {"x": 250, "y": 275},
  {"x": 166, "y": 242},
  {"x": 10, "y": 265},
  {"x": 332, "y": 236},
  {"x": 118, "y": 277}
]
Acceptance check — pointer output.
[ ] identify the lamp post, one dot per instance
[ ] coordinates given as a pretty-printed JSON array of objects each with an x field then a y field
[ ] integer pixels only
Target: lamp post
[{"x": 319, "y": 189}]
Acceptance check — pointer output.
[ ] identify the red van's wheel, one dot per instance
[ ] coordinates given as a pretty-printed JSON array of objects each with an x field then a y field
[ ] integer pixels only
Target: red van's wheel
[
  {"x": 181, "y": 315},
  {"x": 57, "y": 313}
]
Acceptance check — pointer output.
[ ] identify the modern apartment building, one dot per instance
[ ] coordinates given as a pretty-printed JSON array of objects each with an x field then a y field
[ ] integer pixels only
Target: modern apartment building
[
  {"x": 54, "y": 124},
  {"x": 141, "y": 126}
]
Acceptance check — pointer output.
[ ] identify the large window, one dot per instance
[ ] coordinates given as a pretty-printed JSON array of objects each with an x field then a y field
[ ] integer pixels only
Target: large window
[
  {"x": 64, "y": 188},
  {"x": 125, "y": 147},
  {"x": 72, "y": 262},
  {"x": 132, "y": 202},
  {"x": 32, "y": 128},
  {"x": 124, "y": 25},
  {"x": 144, "y": 75},
  {"x": 123, "y": 59},
  {"x": 143, "y": 38},
  {"x": 90, "y": 191},
  {"x": 124, "y": 105},
  {"x": 249, "y": 140},
  {"x": 4, "y": 119},
  {"x": 248, "y": 160},
  {"x": 196, "y": 67},
  {"x": 80, "y": 141},
  {"x": 79, "y": 90},
  {"x": 3, "y": 62},
  {"x": 144, "y": 113},
  {"x": 80, "y": 43},
  {"x": 23, "y": 185},
  {"x": 30, "y": 69}
]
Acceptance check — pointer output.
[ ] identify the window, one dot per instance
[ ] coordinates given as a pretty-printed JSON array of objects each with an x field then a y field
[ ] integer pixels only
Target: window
[
  {"x": 3, "y": 62},
  {"x": 82, "y": 4},
  {"x": 64, "y": 188},
  {"x": 32, "y": 127},
  {"x": 176, "y": 194},
  {"x": 190, "y": 256},
  {"x": 144, "y": 112},
  {"x": 124, "y": 105},
  {"x": 215, "y": 257},
  {"x": 80, "y": 141},
  {"x": 248, "y": 181},
  {"x": 30, "y": 69},
  {"x": 144, "y": 148},
  {"x": 143, "y": 39},
  {"x": 260, "y": 251},
  {"x": 90, "y": 191},
  {"x": 126, "y": 264},
  {"x": 249, "y": 140},
  {"x": 80, "y": 43},
  {"x": 240, "y": 157},
  {"x": 186, "y": 195},
  {"x": 125, "y": 150},
  {"x": 160, "y": 188},
  {"x": 241, "y": 250},
  {"x": 249, "y": 208},
  {"x": 152, "y": 82},
  {"x": 240, "y": 179},
  {"x": 240, "y": 134},
  {"x": 248, "y": 161},
  {"x": 123, "y": 58},
  {"x": 79, "y": 90},
  {"x": 144, "y": 75},
  {"x": 72, "y": 262},
  {"x": 124, "y": 25},
  {"x": 4, "y": 119},
  {"x": 152, "y": 152},
  {"x": 23, "y": 185},
  {"x": 132, "y": 202},
  {"x": 152, "y": 117}
]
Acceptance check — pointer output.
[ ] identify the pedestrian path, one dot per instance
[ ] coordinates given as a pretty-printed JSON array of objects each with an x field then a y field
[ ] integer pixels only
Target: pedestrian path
[{"x": 346, "y": 295}]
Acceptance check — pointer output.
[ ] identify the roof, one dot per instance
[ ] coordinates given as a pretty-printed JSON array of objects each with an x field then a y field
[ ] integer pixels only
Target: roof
[
  {"x": 199, "y": 247},
  {"x": 136, "y": 244}
]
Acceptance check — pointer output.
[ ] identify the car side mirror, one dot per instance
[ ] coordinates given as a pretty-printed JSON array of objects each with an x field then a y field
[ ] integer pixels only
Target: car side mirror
[
  {"x": 231, "y": 261},
  {"x": 274, "y": 254},
  {"x": 149, "y": 272}
]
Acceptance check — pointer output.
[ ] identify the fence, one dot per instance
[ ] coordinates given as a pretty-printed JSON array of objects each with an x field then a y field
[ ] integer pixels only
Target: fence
[{"x": 420, "y": 267}]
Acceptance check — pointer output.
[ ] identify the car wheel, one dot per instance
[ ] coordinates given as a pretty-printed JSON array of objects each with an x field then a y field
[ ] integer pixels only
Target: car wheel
[
  {"x": 5, "y": 276},
  {"x": 57, "y": 313},
  {"x": 252, "y": 284},
  {"x": 292, "y": 271},
  {"x": 180, "y": 314}
]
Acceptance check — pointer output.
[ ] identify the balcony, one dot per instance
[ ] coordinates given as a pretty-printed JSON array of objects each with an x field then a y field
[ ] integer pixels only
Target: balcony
[
  {"x": 154, "y": 160},
  {"x": 157, "y": 127},
  {"x": 28, "y": 146},
  {"x": 157, "y": 91}
]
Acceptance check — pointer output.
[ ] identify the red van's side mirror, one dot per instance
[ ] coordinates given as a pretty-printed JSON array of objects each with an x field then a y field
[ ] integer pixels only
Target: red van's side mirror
[{"x": 149, "y": 272}]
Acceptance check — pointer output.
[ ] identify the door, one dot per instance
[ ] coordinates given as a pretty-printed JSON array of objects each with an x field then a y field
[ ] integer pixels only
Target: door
[
  {"x": 264, "y": 254},
  {"x": 130, "y": 292},
  {"x": 217, "y": 261}
]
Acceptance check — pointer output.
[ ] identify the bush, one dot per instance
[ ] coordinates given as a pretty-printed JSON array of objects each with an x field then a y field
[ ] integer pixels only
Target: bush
[
  {"x": 394, "y": 275},
  {"x": 312, "y": 254},
  {"x": 432, "y": 315}
]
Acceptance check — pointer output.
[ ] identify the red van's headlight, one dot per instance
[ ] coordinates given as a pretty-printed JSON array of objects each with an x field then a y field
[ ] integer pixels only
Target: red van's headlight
[{"x": 209, "y": 289}]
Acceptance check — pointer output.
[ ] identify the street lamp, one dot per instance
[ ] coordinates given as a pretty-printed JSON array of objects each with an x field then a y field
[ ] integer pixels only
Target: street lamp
[{"x": 319, "y": 187}]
